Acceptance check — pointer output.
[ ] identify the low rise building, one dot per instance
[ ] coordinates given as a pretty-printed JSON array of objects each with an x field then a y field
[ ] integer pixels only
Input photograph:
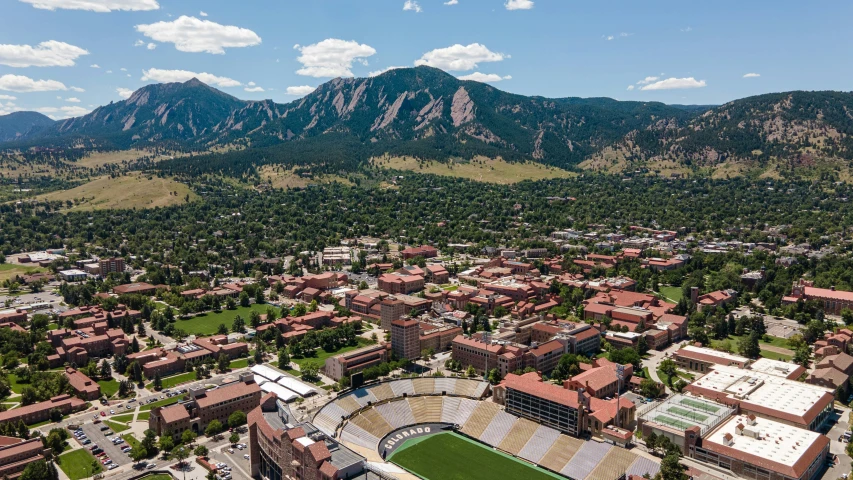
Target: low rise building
[
  {"x": 16, "y": 454},
  {"x": 204, "y": 406},
  {"x": 84, "y": 387},
  {"x": 701, "y": 359},
  {"x": 39, "y": 412},
  {"x": 344, "y": 364}
]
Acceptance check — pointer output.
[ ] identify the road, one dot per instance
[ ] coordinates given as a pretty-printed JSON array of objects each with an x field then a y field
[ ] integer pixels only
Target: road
[{"x": 654, "y": 359}]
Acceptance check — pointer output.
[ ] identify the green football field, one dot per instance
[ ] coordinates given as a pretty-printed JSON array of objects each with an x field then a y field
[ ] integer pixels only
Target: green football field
[{"x": 447, "y": 456}]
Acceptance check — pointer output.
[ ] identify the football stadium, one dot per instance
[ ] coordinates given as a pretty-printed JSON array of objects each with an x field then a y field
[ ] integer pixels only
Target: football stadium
[{"x": 413, "y": 422}]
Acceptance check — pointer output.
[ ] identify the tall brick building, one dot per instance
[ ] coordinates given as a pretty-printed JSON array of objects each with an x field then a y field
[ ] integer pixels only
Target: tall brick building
[{"x": 405, "y": 338}]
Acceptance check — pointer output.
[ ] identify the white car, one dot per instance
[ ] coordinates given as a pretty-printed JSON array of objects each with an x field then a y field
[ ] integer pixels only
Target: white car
[
  {"x": 246, "y": 456},
  {"x": 151, "y": 465},
  {"x": 112, "y": 412},
  {"x": 230, "y": 450}
]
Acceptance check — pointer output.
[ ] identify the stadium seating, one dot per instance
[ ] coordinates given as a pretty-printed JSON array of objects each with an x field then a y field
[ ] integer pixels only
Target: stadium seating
[
  {"x": 480, "y": 419},
  {"x": 382, "y": 392},
  {"x": 348, "y": 404},
  {"x": 586, "y": 459},
  {"x": 560, "y": 453},
  {"x": 354, "y": 434},
  {"x": 463, "y": 413},
  {"x": 539, "y": 443},
  {"x": 498, "y": 428},
  {"x": 614, "y": 464},
  {"x": 363, "y": 396},
  {"x": 518, "y": 436},
  {"x": 397, "y": 414},
  {"x": 445, "y": 385},
  {"x": 372, "y": 422},
  {"x": 423, "y": 386},
  {"x": 434, "y": 406},
  {"x": 326, "y": 424},
  {"x": 642, "y": 466},
  {"x": 402, "y": 386}
]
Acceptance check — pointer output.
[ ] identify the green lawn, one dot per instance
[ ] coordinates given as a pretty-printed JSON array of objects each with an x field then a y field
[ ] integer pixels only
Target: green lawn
[
  {"x": 130, "y": 439},
  {"x": 672, "y": 293},
  {"x": 123, "y": 418},
  {"x": 144, "y": 416},
  {"x": 170, "y": 382},
  {"x": 79, "y": 464},
  {"x": 161, "y": 403},
  {"x": 239, "y": 363},
  {"x": 734, "y": 341},
  {"x": 117, "y": 427},
  {"x": 461, "y": 459},
  {"x": 776, "y": 356},
  {"x": 207, "y": 324},
  {"x": 322, "y": 355},
  {"x": 13, "y": 382},
  {"x": 159, "y": 476},
  {"x": 108, "y": 387}
]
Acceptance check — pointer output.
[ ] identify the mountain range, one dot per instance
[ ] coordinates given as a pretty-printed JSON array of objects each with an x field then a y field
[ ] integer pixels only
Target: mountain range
[{"x": 429, "y": 114}]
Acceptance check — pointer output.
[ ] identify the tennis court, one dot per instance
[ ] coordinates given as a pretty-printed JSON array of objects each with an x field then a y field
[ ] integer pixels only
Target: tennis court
[
  {"x": 673, "y": 422},
  {"x": 705, "y": 407},
  {"x": 687, "y": 413}
]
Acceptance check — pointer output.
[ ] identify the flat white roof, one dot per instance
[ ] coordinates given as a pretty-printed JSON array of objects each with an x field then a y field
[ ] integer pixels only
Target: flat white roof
[
  {"x": 72, "y": 271},
  {"x": 758, "y": 388},
  {"x": 265, "y": 371},
  {"x": 305, "y": 441},
  {"x": 293, "y": 384},
  {"x": 773, "y": 367},
  {"x": 261, "y": 380},
  {"x": 716, "y": 353},
  {"x": 776, "y": 441},
  {"x": 282, "y": 393}
]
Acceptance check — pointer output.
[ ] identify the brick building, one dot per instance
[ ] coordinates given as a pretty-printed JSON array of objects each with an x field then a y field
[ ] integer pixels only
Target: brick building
[
  {"x": 39, "y": 412},
  {"x": 405, "y": 338},
  {"x": 84, "y": 387},
  {"x": 344, "y": 364}
]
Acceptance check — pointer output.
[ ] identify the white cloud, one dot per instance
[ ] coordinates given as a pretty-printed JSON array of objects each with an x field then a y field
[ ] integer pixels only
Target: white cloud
[
  {"x": 72, "y": 100},
  {"x": 609, "y": 37},
  {"x": 254, "y": 89},
  {"x": 46, "y": 54},
  {"x": 58, "y": 113},
  {"x": 168, "y": 76},
  {"x": 332, "y": 57},
  {"x": 94, "y": 65},
  {"x": 109, "y": 71},
  {"x": 459, "y": 57},
  {"x": 202, "y": 13},
  {"x": 189, "y": 34},
  {"x": 485, "y": 77},
  {"x": 101, "y": 6},
  {"x": 687, "y": 29},
  {"x": 675, "y": 84},
  {"x": 452, "y": 2},
  {"x": 380, "y": 72},
  {"x": 77, "y": 89},
  {"x": 20, "y": 83},
  {"x": 124, "y": 92},
  {"x": 300, "y": 91},
  {"x": 648, "y": 80},
  {"x": 7, "y": 97},
  {"x": 151, "y": 46},
  {"x": 123, "y": 69},
  {"x": 630, "y": 87},
  {"x": 518, "y": 4},
  {"x": 251, "y": 84},
  {"x": 139, "y": 43},
  {"x": 752, "y": 75},
  {"x": 412, "y": 5}
]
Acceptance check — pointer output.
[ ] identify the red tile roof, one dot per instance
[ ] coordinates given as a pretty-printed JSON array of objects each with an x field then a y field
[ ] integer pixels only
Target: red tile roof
[{"x": 532, "y": 384}]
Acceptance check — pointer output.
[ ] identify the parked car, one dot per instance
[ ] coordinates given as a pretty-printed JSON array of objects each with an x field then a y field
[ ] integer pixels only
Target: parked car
[
  {"x": 151, "y": 466},
  {"x": 246, "y": 456},
  {"x": 103, "y": 414},
  {"x": 230, "y": 450}
]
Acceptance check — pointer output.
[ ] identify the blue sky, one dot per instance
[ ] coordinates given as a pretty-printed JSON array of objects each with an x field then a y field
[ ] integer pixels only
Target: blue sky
[{"x": 674, "y": 52}]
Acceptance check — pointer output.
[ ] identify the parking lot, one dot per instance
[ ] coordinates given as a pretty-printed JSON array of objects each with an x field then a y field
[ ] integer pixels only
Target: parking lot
[{"x": 93, "y": 431}]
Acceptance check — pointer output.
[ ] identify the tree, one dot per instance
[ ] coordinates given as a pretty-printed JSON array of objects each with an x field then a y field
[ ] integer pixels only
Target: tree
[
  {"x": 802, "y": 356},
  {"x": 671, "y": 468},
  {"x": 234, "y": 438},
  {"x": 749, "y": 347},
  {"x": 200, "y": 451},
  {"x": 147, "y": 442},
  {"x": 180, "y": 454},
  {"x": 668, "y": 368},
  {"x": 244, "y": 299},
  {"x": 167, "y": 443},
  {"x": 158, "y": 382},
  {"x": 236, "y": 419},
  {"x": 213, "y": 428},
  {"x": 136, "y": 372},
  {"x": 471, "y": 372},
  {"x": 37, "y": 471},
  {"x": 649, "y": 388},
  {"x": 106, "y": 371},
  {"x": 222, "y": 363},
  {"x": 847, "y": 316},
  {"x": 310, "y": 371},
  {"x": 138, "y": 453},
  {"x": 652, "y": 441},
  {"x": 679, "y": 385},
  {"x": 283, "y": 359},
  {"x": 222, "y": 329},
  {"x": 494, "y": 376},
  {"x": 188, "y": 437},
  {"x": 239, "y": 325}
]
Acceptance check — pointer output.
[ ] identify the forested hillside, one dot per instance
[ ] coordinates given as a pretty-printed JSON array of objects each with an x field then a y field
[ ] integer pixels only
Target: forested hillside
[{"x": 428, "y": 114}]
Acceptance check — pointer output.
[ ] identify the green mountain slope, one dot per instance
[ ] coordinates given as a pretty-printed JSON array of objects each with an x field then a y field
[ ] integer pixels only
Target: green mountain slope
[{"x": 21, "y": 124}]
